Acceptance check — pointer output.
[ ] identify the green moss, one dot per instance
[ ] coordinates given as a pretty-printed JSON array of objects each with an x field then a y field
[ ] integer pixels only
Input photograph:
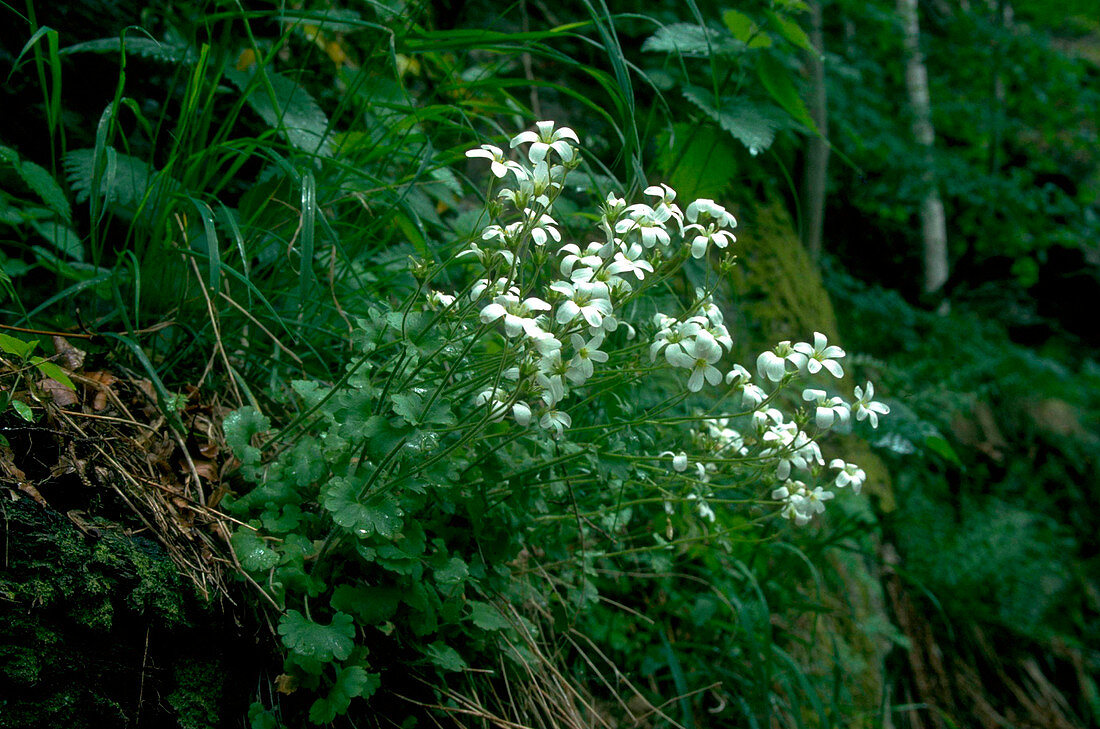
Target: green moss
[
  {"x": 198, "y": 694},
  {"x": 779, "y": 291},
  {"x": 99, "y": 632}
]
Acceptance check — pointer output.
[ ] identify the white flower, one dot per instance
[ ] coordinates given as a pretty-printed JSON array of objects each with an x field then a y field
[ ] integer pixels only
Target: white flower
[
  {"x": 580, "y": 367},
  {"x": 586, "y": 299},
  {"x": 773, "y": 364},
  {"x": 438, "y": 298},
  {"x": 498, "y": 164},
  {"x": 704, "y": 237},
  {"x": 821, "y": 354},
  {"x": 800, "y": 504},
  {"x": 555, "y": 420},
  {"x": 519, "y": 316},
  {"x": 498, "y": 408},
  {"x": 827, "y": 411},
  {"x": 541, "y": 227},
  {"x": 649, "y": 223},
  {"x": 679, "y": 460},
  {"x": 704, "y": 209},
  {"x": 521, "y": 411},
  {"x": 574, "y": 258},
  {"x": 547, "y": 138},
  {"x": 630, "y": 260},
  {"x": 752, "y": 395},
  {"x": 545, "y": 343},
  {"x": 738, "y": 376},
  {"x": 485, "y": 257},
  {"x": 698, "y": 355},
  {"x": 849, "y": 475},
  {"x": 865, "y": 407}
]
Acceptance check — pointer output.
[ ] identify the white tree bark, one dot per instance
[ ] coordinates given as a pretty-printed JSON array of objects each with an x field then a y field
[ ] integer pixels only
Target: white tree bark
[{"x": 932, "y": 220}]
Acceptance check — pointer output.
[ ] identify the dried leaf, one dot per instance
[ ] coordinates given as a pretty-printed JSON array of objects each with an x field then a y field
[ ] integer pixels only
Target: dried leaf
[
  {"x": 207, "y": 470},
  {"x": 285, "y": 684},
  {"x": 71, "y": 357},
  {"x": 101, "y": 382},
  {"x": 61, "y": 395}
]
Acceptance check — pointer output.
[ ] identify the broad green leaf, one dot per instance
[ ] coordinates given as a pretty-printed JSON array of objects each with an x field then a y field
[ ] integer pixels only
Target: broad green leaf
[
  {"x": 41, "y": 182},
  {"x": 24, "y": 410},
  {"x": 144, "y": 47},
  {"x": 689, "y": 39},
  {"x": 17, "y": 347},
  {"x": 239, "y": 427},
  {"x": 253, "y": 552},
  {"x": 753, "y": 124},
  {"x": 286, "y": 107},
  {"x": 940, "y": 446},
  {"x": 61, "y": 237},
  {"x": 315, "y": 641},
  {"x": 445, "y": 657},
  {"x": 375, "y": 514},
  {"x": 452, "y": 573},
  {"x": 777, "y": 81},
  {"x": 702, "y": 163},
  {"x": 372, "y": 605},
  {"x": 487, "y": 617},
  {"x": 792, "y": 31},
  {"x": 745, "y": 29},
  {"x": 381, "y": 436},
  {"x": 408, "y": 405},
  {"x": 350, "y": 682},
  {"x": 49, "y": 369}
]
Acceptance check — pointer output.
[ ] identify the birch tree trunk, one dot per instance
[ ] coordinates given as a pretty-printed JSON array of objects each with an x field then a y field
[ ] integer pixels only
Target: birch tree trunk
[
  {"x": 932, "y": 221},
  {"x": 814, "y": 173}
]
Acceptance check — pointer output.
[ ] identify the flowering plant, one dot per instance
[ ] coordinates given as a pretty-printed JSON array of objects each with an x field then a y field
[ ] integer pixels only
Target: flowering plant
[{"x": 565, "y": 399}]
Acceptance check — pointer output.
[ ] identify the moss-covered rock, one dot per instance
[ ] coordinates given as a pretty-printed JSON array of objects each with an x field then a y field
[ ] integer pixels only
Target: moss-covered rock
[{"x": 101, "y": 631}]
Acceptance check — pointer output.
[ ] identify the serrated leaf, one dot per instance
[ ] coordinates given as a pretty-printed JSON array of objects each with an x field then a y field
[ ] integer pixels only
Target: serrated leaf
[
  {"x": 777, "y": 82},
  {"x": 304, "y": 462},
  {"x": 309, "y": 390},
  {"x": 377, "y": 514},
  {"x": 350, "y": 682},
  {"x": 252, "y": 551},
  {"x": 61, "y": 237},
  {"x": 144, "y": 47},
  {"x": 127, "y": 185},
  {"x": 315, "y": 641},
  {"x": 752, "y": 124},
  {"x": 408, "y": 405},
  {"x": 745, "y": 29},
  {"x": 487, "y": 617},
  {"x": 792, "y": 31},
  {"x": 239, "y": 427},
  {"x": 445, "y": 657},
  {"x": 287, "y": 107},
  {"x": 689, "y": 39},
  {"x": 452, "y": 573},
  {"x": 45, "y": 186},
  {"x": 381, "y": 436}
]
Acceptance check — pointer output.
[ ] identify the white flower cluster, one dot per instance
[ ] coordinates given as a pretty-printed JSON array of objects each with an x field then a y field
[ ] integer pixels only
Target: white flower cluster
[
  {"x": 785, "y": 448},
  {"x": 554, "y": 328},
  {"x": 559, "y": 333}
]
